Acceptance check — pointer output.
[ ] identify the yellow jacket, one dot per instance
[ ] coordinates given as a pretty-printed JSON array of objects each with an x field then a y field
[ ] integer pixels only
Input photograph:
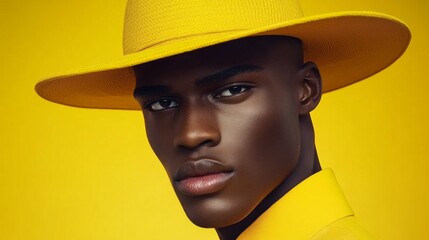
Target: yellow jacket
[{"x": 316, "y": 209}]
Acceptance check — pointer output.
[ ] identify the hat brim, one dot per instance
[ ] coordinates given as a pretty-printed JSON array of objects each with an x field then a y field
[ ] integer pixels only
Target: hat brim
[{"x": 347, "y": 47}]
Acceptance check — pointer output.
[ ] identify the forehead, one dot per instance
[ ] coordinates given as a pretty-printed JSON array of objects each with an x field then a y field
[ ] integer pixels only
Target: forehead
[{"x": 260, "y": 50}]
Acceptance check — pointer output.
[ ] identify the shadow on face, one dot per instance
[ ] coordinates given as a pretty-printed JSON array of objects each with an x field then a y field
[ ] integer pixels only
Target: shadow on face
[{"x": 224, "y": 122}]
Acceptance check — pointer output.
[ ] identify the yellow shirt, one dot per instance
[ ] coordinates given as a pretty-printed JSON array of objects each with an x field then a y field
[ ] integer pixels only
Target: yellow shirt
[{"x": 316, "y": 209}]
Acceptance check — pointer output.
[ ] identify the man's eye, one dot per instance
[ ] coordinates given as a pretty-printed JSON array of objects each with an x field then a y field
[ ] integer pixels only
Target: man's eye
[
  {"x": 231, "y": 91},
  {"x": 162, "y": 104}
]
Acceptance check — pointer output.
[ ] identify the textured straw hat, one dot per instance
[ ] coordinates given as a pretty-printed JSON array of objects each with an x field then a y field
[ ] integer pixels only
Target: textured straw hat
[{"x": 347, "y": 46}]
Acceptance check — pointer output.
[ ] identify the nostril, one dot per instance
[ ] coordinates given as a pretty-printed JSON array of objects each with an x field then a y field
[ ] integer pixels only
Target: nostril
[
  {"x": 196, "y": 140},
  {"x": 185, "y": 147}
]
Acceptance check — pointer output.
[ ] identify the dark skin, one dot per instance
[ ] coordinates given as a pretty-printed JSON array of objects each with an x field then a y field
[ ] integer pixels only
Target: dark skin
[{"x": 230, "y": 123}]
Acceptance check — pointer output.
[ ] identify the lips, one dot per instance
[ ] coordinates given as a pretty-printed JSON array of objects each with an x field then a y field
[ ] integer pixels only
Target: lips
[{"x": 202, "y": 177}]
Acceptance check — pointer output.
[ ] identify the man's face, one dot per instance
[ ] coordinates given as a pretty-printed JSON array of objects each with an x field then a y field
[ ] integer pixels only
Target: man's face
[{"x": 223, "y": 121}]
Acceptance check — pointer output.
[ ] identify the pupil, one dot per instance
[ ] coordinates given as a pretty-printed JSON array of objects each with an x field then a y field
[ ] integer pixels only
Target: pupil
[
  {"x": 235, "y": 89},
  {"x": 165, "y": 102}
]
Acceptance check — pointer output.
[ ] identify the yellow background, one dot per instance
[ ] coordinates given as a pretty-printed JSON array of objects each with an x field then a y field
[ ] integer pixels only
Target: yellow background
[{"x": 68, "y": 173}]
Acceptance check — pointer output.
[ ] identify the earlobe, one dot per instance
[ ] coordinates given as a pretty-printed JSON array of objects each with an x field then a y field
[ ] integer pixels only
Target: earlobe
[{"x": 310, "y": 87}]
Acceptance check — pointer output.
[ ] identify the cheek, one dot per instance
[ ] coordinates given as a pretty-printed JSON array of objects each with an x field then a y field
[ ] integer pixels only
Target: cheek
[
  {"x": 262, "y": 127},
  {"x": 263, "y": 144},
  {"x": 160, "y": 141},
  {"x": 264, "y": 140},
  {"x": 275, "y": 154}
]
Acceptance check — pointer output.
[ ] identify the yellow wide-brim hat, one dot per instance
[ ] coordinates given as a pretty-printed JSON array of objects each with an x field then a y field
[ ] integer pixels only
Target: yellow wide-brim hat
[{"x": 347, "y": 46}]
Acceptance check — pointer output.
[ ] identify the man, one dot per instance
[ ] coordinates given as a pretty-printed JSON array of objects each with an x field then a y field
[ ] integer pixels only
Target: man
[{"x": 226, "y": 89}]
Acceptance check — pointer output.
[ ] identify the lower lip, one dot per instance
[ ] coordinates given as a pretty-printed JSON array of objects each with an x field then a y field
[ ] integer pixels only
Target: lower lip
[{"x": 202, "y": 185}]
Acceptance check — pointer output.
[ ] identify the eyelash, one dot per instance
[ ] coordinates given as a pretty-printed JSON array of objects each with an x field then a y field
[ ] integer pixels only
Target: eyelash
[
  {"x": 243, "y": 88},
  {"x": 152, "y": 105}
]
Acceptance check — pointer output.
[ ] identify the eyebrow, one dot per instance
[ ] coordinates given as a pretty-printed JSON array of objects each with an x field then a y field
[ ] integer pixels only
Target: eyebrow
[
  {"x": 216, "y": 77},
  {"x": 226, "y": 74},
  {"x": 150, "y": 90}
]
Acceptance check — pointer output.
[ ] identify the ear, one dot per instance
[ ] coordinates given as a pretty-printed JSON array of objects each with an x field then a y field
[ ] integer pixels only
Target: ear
[{"x": 310, "y": 89}]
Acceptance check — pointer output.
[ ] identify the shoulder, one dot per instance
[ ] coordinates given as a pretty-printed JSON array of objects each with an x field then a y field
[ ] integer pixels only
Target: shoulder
[{"x": 347, "y": 228}]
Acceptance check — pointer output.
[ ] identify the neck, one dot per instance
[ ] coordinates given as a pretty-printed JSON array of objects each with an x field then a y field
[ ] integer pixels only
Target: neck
[{"x": 307, "y": 165}]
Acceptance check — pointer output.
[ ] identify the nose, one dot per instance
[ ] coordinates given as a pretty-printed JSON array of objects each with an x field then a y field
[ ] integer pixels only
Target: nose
[{"x": 197, "y": 126}]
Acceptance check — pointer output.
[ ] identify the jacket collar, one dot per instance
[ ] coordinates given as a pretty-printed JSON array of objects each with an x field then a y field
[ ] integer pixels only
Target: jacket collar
[{"x": 303, "y": 211}]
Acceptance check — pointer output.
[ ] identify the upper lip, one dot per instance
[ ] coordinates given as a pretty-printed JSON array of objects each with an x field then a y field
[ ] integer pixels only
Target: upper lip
[{"x": 200, "y": 167}]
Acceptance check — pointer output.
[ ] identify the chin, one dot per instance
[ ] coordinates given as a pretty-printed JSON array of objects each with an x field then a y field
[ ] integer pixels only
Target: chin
[
  {"x": 217, "y": 220},
  {"x": 215, "y": 213}
]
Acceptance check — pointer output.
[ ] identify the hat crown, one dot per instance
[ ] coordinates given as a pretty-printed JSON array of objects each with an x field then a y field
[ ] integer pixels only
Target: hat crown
[{"x": 154, "y": 22}]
